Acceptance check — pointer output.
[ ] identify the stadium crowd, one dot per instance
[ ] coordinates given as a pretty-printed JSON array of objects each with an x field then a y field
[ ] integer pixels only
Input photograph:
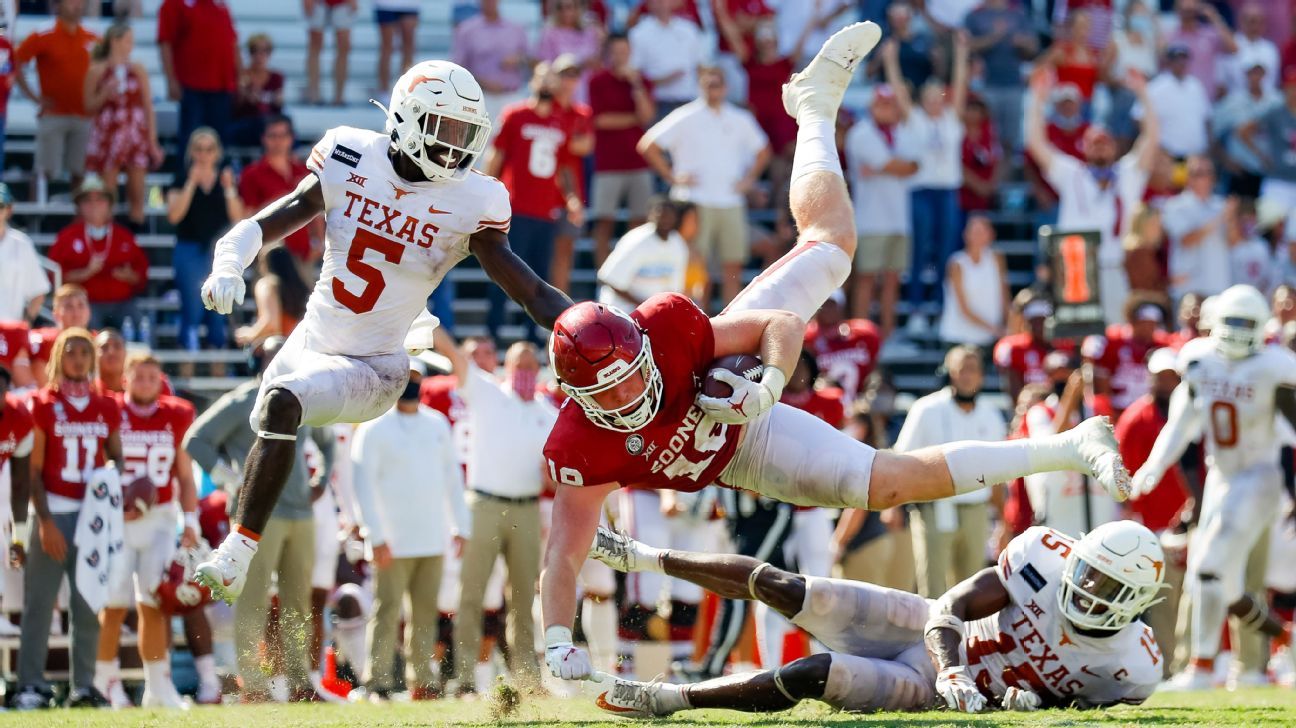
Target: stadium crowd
[{"x": 402, "y": 548}]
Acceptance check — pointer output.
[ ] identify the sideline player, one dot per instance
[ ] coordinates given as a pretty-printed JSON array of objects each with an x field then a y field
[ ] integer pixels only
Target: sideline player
[
  {"x": 635, "y": 417},
  {"x": 1233, "y": 388},
  {"x": 152, "y": 427},
  {"x": 1054, "y": 624},
  {"x": 401, "y": 207}
]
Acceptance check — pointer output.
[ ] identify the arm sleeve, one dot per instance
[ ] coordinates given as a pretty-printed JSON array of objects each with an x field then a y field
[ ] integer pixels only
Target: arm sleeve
[
  {"x": 208, "y": 432},
  {"x": 366, "y": 456},
  {"x": 28, "y": 49},
  {"x": 1182, "y": 428}
]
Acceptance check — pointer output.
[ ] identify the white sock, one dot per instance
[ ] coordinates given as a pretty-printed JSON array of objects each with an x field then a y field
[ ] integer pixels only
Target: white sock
[
  {"x": 672, "y": 697},
  {"x": 648, "y": 558},
  {"x": 484, "y": 676},
  {"x": 157, "y": 674},
  {"x": 205, "y": 666},
  {"x": 1209, "y": 609},
  {"x": 976, "y": 465},
  {"x": 816, "y": 147},
  {"x": 599, "y": 620},
  {"x": 105, "y": 672}
]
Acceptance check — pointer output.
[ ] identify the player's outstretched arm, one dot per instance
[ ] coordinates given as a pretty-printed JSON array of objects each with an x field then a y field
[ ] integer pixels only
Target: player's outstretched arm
[
  {"x": 237, "y": 248},
  {"x": 575, "y": 518},
  {"x": 1183, "y": 426},
  {"x": 979, "y": 596},
  {"x": 542, "y": 302}
]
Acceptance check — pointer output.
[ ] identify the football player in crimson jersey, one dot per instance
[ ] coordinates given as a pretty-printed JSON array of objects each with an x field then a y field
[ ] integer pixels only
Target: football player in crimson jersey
[
  {"x": 636, "y": 417},
  {"x": 15, "y": 352},
  {"x": 153, "y": 425},
  {"x": 1117, "y": 360},
  {"x": 1053, "y": 624},
  {"x": 71, "y": 307},
  {"x": 402, "y": 206},
  {"x": 1234, "y": 387},
  {"x": 76, "y": 432},
  {"x": 846, "y": 349},
  {"x": 1020, "y": 357},
  {"x": 15, "y": 446}
]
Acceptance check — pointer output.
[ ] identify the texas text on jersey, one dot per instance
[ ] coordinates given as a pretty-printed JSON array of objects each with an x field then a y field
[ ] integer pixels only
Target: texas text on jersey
[
  {"x": 389, "y": 242},
  {"x": 1235, "y": 399},
  {"x": 680, "y": 448},
  {"x": 150, "y": 438},
  {"x": 1030, "y": 645}
]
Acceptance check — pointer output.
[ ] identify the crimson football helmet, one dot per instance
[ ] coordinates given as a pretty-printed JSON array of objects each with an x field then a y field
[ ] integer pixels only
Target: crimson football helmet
[
  {"x": 595, "y": 348},
  {"x": 177, "y": 593}
]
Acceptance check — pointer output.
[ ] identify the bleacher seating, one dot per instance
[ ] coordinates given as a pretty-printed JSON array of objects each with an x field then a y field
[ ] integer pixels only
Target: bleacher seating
[{"x": 283, "y": 23}]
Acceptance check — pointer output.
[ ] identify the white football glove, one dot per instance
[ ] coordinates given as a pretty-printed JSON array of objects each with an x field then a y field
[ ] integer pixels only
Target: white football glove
[
  {"x": 565, "y": 660},
  {"x": 749, "y": 399},
  {"x": 1020, "y": 699},
  {"x": 958, "y": 690},
  {"x": 1144, "y": 481},
  {"x": 222, "y": 291}
]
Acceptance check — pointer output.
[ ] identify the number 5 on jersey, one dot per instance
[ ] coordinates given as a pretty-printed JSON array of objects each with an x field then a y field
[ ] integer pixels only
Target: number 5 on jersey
[{"x": 374, "y": 283}]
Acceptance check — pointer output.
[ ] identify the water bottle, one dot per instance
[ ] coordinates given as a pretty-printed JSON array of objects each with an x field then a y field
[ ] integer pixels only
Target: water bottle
[
  {"x": 146, "y": 332},
  {"x": 128, "y": 329}
]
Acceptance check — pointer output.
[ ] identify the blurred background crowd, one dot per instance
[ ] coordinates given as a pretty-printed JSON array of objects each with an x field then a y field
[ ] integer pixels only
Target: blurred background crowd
[{"x": 645, "y": 149}]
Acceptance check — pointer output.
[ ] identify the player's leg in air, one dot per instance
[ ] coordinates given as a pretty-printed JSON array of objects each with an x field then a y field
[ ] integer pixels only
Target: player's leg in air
[
  {"x": 853, "y": 619},
  {"x": 790, "y": 455}
]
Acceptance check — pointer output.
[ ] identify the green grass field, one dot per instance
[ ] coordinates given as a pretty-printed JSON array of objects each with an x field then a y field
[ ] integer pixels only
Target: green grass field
[{"x": 1267, "y": 707}]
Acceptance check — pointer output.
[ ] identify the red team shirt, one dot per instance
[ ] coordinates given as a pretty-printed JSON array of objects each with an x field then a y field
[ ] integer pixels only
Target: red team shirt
[
  {"x": 1125, "y": 361},
  {"x": 848, "y": 358},
  {"x": 74, "y": 439},
  {"x": 15, "y": 347},
  {"x": 532, "y": 147},
  {"x": 150, "y": 441},
  {"x": 670, "y": 451},
  {"x": 1024, "y": 354},
  {"x": 1136, "y": 430},
  {"x": 15, "y": 426}
]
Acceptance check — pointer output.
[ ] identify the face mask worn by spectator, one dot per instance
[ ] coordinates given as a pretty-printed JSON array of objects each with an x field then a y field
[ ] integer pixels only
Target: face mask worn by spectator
[
  {"x": 411, "y": 391},
  {"x": 524, "y": 383}
]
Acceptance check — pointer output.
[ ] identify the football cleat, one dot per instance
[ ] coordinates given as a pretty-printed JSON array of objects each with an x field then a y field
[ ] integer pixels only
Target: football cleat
[
  {"x": 226, "y": 572},
  {"x": 633, "y": 699},
  {"x": 617, "y": 550},
  {"x": 1095, "y": 443},
  {"x": 823, "y": 83},
  {"x": 1190, "y": 680},
  {"x": 163, "y": 696}
]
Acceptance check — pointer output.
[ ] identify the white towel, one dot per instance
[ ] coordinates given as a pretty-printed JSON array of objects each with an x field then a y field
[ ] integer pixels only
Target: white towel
[{"x": 98, "y": 536}]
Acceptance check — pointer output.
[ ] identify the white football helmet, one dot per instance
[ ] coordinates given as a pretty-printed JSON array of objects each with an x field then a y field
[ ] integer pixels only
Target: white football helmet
[
  {"x": 1112, "y": 575},
  {"x": 438, "y": 119},
  {"x": 1239, "y": 316}
]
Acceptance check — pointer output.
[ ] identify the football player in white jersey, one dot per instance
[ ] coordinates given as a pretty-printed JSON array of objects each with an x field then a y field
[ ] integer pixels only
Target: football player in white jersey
[
  {"x": 1055, "y": 623},
  {"x": 1233, "y": 388},
  {"x": 401, "y": 208}
]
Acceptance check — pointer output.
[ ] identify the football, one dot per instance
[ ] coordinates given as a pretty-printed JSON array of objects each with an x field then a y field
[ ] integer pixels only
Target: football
[
  {"x": 139, "y": 495},
  {"x": 744, "y": 365}
]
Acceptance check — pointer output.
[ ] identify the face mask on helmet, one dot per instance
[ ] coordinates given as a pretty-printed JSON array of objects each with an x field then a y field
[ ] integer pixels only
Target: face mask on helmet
[
  {"x": 437, "y": 120},
  {"x": 634, "y": 414},
  {"x": 1092, "y": 598},
  {"x": 1237, "y": 337}
]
